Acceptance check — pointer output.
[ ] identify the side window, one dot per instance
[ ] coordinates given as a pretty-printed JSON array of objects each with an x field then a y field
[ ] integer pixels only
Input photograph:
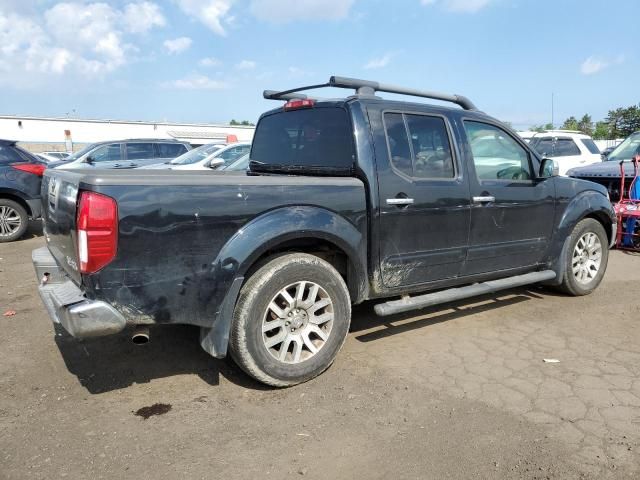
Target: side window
[
  {"x": 431, "y": 147},
  {"x": 232, "y": 153},
  {"x": 496, "y": 155},
  {"x": 544, "y": 146},
  {"x": 139, "y": 151},
  {"x": 591, "y": 146},
  {"x": 170, "y": 150},
  {"x": 398, "y": 139},
  {"x": 565, "y": 147},
  {"x": 8, "y": 155},
  {"x": 107, "y": 153}
]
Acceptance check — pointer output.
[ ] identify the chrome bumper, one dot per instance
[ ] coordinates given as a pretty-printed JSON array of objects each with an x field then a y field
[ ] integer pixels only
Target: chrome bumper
[{"x": 66, "y": 303}]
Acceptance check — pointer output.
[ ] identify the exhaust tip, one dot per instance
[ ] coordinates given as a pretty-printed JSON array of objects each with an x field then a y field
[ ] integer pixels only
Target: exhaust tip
[{"x": 140, "y": 336}]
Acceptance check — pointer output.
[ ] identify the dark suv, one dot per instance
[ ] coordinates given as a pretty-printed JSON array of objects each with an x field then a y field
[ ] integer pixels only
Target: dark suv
[
  {"x": 20, "y": 177},
  {"x": 129, "y": 153}
]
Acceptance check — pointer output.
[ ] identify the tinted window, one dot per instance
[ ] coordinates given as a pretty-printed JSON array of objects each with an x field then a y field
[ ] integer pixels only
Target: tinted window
[
  {"x": 591, "y": 145},
  {"x": 107, "y": 153},
  {"x": 9, "y": 155},
  {"x": 422, "y": 149},
  {"x": 314, "y": 137},
  {"x": 496, "y": 155},
  {"x": 139, "y": 151},
  {"x": 565, "y": 147},
  {"x": 170, "y": 150},
  {"x": 544, "y": 146}
]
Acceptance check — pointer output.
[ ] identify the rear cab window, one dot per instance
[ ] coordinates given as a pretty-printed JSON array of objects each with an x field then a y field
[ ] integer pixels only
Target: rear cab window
[{"x": 317, "y": 140}]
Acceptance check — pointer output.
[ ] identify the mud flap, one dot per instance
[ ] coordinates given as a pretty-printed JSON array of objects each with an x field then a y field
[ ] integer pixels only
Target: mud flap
[{"x": 215, "y": 340}]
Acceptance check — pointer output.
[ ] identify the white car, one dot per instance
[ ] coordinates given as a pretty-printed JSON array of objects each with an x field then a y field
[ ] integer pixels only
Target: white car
[
  {"x": 57, "y": 155},
  {"x": 570, "y": 149},
  {"x": 206, "y": 157}
]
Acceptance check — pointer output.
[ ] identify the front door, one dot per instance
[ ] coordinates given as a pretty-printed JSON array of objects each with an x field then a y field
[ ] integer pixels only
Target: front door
[
  {"x": 512, "y": 211},
  {"x": 424, "y": 199}
]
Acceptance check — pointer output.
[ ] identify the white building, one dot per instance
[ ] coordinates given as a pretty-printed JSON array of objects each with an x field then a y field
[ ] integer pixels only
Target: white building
[{"x": 41, "y": 134}]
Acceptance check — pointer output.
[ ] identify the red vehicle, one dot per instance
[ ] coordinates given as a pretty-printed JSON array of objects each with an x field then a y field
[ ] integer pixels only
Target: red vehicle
[{"x": 628, "y": 209}]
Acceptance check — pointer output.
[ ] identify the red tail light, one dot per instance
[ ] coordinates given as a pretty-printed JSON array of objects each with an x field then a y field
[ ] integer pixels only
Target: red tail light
[
  {"x": 297, "y": 104},
  {"x": 97, "y": 225},
  {"x": 35, "y": 168}
]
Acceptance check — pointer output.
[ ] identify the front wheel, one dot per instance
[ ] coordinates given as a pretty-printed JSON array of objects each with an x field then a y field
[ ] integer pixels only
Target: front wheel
[
  {"x": 587, "y": 258},
  {"x": 290, "y": 321}
]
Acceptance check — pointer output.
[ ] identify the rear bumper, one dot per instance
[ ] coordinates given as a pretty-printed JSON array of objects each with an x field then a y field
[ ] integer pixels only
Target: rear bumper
[{"x": 67, "y": 305}]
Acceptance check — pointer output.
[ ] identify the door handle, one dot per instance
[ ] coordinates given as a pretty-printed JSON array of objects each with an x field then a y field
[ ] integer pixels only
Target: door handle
[
  {"x": 399, "y": 201},
  {"x": 484, "y": 199}
]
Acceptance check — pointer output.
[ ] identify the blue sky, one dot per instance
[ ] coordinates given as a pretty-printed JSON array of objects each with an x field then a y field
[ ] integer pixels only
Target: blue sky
[{"x": 209, "y": 60}]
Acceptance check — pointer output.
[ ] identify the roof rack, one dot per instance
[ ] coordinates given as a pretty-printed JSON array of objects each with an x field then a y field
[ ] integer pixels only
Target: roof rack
[{"x": 368, "y": 88}]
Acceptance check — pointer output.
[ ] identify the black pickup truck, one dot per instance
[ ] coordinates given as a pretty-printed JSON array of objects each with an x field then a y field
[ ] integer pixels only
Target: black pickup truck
[{"x": 346, "y": 200}]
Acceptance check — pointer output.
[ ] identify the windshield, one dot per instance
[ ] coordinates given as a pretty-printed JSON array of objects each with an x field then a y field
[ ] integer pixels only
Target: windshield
[
  {"x": 627, "y": 149},
  {"x": 241, "y": 163},
  {"x": 196, "y": 155},
  {"x": 80, "y": 153}
]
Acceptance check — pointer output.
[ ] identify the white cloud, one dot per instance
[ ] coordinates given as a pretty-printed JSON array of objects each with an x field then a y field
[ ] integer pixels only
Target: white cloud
[
  {"x": 246, "y": 65},
  {"x": 283, "y": 11},
  {"x": 460, "y": 6},
  {"x": 177, "y": 45},
  {"x": 595, "y": 64},
  {"x": 213, "y": 13},
  {"x": 70, "y": 37},
  {"x": 142, "y": 17},
  {"x": 196, "y": 82},
  {"x": 379, "y": 62},
  {"x": 209, "y": 62}
]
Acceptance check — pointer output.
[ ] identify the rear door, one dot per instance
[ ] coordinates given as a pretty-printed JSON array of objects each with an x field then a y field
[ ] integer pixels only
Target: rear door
[
  {"x": 423, "y": 197},
  {"x": 138, "y": 154},
  {"x": 512, "y": 211}
]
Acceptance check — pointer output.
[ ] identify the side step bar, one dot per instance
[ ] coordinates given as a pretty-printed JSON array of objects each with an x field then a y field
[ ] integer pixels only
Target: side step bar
[{"x": 452, "y": 294}]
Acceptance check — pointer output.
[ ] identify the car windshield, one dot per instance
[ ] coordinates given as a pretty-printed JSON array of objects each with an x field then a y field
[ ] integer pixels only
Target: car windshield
[
  {"x": 80, "y": 153},
  {"x": 627, "y": 149},
  {"x": 196, "y": 155},
  {"x": 241, "y": 163}
]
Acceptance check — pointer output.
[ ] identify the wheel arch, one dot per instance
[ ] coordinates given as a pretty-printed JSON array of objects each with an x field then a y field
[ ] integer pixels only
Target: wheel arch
[{"x": 14, "y": 195}]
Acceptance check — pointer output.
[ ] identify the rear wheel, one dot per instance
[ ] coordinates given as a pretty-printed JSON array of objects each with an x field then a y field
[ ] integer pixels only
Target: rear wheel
[
  {"x": 587, "y": 258},
  {"x": 290, "y": 321},
  {"x": 13, "y": 220}
]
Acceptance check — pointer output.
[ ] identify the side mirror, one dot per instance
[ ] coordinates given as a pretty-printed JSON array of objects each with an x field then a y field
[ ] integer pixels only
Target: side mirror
[
  {"x": 89, "y": 160},
  {"x": 215, "y": 163},
  {"x": 549, "y": 168}
]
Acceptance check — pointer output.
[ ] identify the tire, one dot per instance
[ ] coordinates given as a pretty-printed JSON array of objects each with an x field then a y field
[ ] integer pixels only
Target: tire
[
  {"x": 580, "y": 276},
  {"x": 13, "y": 220},
  {"x": 311, "y": 319}
]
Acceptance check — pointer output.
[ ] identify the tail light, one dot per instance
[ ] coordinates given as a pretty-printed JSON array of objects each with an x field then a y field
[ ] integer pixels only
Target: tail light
[
  {"x": 97, "y": 225},
  {"x": 35, "y": 168},
  {"x": 298, "y": 104}
]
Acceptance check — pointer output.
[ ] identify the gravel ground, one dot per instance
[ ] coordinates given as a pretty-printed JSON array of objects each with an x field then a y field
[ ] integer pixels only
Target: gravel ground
[{"x": 456, "y": 392}]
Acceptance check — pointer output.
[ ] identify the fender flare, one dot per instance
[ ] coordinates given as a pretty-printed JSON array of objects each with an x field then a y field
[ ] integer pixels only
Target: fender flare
[{"x": 265, "y": 233}]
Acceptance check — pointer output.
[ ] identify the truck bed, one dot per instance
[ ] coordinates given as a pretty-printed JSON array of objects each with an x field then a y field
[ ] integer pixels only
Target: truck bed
[{"x": 176, "y": 258}]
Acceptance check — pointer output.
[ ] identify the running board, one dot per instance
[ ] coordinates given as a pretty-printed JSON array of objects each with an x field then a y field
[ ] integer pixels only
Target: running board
[{"x": 452, "y": 294}]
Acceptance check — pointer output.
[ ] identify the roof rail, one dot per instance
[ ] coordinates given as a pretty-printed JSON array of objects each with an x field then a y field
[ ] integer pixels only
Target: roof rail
[{"x": 369, "y": 88}]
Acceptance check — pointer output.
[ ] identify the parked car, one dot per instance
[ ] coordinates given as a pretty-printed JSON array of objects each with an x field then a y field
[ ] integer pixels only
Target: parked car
[
  {"x": 57, "y": 155},
  {"x": 130, "y": 153},
  {"x": 47, "y": 158},
  {"x": 206, "y": 157},
  {"x": 607, "y": 173},
  {"x": 347, "y": 200},
  {"x": 20, "y": 177},
  {"x": 569, "y": 148},
  {"x": 605, "y": 153}
]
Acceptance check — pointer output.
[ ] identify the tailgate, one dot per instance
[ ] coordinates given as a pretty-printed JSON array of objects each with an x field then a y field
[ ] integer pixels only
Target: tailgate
[{"x": 59, "y": 200}]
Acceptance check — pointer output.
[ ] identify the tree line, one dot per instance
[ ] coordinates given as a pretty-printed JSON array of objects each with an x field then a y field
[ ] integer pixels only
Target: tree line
[{"x": 619, "y": 123}]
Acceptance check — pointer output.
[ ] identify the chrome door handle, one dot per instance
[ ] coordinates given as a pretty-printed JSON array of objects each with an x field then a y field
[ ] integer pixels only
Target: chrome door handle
[
  {"x": 485, "y": 199},
  {"x": 399, "y": 201}
]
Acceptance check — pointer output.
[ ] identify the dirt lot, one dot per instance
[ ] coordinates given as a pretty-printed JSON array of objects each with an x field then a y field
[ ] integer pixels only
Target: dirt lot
[{"x": 456, "y": 392}]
